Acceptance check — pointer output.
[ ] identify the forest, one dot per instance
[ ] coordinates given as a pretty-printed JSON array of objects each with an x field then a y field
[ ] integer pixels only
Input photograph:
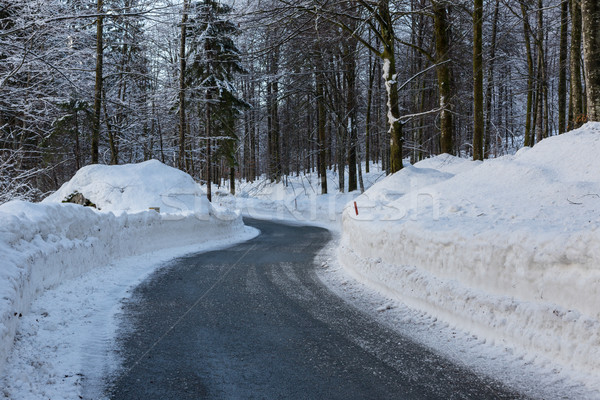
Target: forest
[{"x": 263, "y": 89}]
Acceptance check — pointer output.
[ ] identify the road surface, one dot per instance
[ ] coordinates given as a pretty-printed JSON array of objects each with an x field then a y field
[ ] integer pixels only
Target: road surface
[{"x": 254, "y": 322}]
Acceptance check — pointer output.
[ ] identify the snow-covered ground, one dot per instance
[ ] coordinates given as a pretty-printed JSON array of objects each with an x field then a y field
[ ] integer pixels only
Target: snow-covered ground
[
  {"x": 65, "y": 345},
  {"x": 523, "y": 372},
  {"x": 135, "y": 188},
  {"x": 296, "y": 199},
  {"x": 65, "y": 267},
  {"x": 507, "y": 249},
  {"x": 494, "y": 264}
]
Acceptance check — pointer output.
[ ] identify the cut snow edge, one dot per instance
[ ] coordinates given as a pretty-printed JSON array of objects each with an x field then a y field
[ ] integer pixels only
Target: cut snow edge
[
  {"x": 44, "y": 244},
  {"x": 514, "y": 264}
]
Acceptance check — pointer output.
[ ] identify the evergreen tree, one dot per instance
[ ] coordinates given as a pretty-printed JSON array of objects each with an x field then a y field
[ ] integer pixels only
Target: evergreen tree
[{"x": 215, "y": 61}]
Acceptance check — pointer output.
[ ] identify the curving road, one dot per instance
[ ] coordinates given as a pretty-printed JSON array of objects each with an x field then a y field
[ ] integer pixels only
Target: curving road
[{"x": 254, "y": 321}]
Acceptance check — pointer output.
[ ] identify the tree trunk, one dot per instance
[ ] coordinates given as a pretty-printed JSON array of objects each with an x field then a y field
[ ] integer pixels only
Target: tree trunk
[
  {"x": 591, "y": 50},
  {"x": 368, "y": 113},
  {"x": 562, "y": 72},
  {"x": 77, "y": 144},
  {"x": 378, "y": 118},
  {"x": 542, "y": 97},
  {"x": 501, "y": 110},
  {"x": 418, "y": 28},
  {"x": 112, "y": 139},
  {"x": 478, "y": 80},
  {"x": 341, "y": 158},
  {"x": 95, "y": 142},
  {"x": 246, "y": 159},
  {"x": 321, "y": 131},
  {"x": 209, "y": 169},
  {"x": 182, "y": 73},
  {"x": 254, "y": 134},
  {"x": 208, "y": 127},
  {"x": 490, "y": 83},
  {"x": 273, "y": 111},
  {"x": 350, "y": 77},
  {"x": 232, "y": 180},
  {"x": 444, "y": 75},
  {"x": 577, "y": 113},
  {"x": 391, "y": 85},
  {"x": 361, "y": 182},
  {"x": 530, "y": 80}
]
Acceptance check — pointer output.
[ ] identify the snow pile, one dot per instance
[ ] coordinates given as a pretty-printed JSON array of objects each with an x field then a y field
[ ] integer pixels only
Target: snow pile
[
  {"x": 507, "y": 249},
  {"x": 135, "y": 187},
  {"x": 42, "y": 245}
]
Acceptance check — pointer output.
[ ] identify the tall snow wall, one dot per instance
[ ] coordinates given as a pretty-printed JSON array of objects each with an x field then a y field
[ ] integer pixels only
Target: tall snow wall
[
  {"x": 517, "y": 290},
  {"x": 45, "y": 244},
  {"x": 508, "y": 249}
]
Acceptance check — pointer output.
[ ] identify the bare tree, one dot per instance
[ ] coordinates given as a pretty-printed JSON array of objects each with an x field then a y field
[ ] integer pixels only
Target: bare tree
[
  {"x": 182, "y": 84},
  {"x": 577, "y": 94},
  {"x": 563, "y": 67},
  {"x": 478, "y": 127},
  {"x": 444, "y": 74},
  {"x": 98, "y": 90},
  {"x": 590, "y": 9}
]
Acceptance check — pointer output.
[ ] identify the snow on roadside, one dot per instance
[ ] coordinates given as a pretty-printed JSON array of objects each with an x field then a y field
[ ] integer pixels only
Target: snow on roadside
[
  {"x": 532, "y": 376},
  {"x": 506, "y": 249},
  {"x": 134, "y": 188},
  {"x": 65, "y": 344},
  {"x": 43, "y": 245},
  {"x": 296, "y": 199}
]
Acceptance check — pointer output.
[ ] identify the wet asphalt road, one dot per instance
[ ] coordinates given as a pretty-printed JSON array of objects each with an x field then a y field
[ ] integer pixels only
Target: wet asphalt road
[{"x": 254, "y": 322}]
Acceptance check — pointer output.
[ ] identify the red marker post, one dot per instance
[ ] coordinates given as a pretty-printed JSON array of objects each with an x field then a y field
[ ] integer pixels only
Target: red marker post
[{"x": 356, "y": 208}]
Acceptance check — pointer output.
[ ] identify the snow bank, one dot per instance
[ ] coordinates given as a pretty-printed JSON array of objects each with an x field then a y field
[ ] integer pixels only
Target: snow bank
[
  {"x": 507, "y": 249},
  {"x": 41, "y": 245},
  {"x": 134, "y": 188}
]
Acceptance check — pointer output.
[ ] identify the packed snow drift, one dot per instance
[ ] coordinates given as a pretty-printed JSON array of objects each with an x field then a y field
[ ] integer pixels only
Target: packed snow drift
[
  {"x": 135, "y": 187},
  {"x": 42, "y": 245},
  {"x": 507, "y": 249}
]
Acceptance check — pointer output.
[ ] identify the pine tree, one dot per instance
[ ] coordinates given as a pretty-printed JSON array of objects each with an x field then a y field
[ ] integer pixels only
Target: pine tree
[{"x": 215, "y": 62}]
